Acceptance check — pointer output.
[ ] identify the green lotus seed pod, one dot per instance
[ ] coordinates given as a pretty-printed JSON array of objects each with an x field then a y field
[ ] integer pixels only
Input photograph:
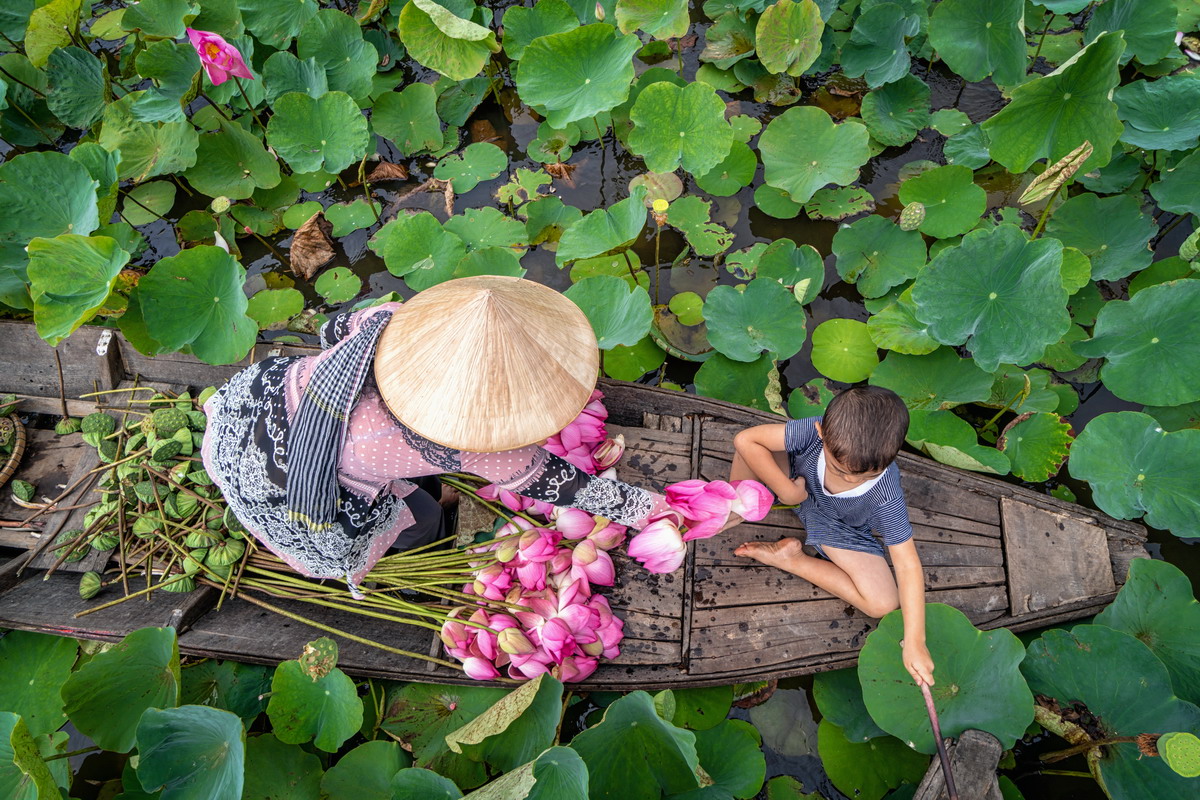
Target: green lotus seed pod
[
  {"x": 319, "y": 658},
  {"x": 68, "y": 425},
  {"x": 194, "y": 560},
  {"x": 99, "y": 422},
  {"x": 90, "y": 584},
  {"x": 179, "y": 585},
  {"x": 23, "y": 490},
  {"x": 221, "y": 204},
  {"x": 225, "y": 552},
  {"x": 1181, "y": 752},
  {"x": 912, "y": 216},
  {"x": 105, "y": 540},
  {"x": 169, "y": 420},
  {"x": 64, "y": 540},
  {"x": 165, "y": 450}
]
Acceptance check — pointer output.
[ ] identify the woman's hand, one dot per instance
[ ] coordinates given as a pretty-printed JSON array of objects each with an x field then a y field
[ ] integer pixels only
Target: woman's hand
[{"x": 918, "y": 662}]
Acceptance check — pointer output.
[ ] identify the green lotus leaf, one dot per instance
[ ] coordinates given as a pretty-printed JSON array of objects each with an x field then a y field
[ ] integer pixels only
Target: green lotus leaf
[
  {"x": 195, "y": 299},
  {"x": 977, "y": 40},
  {"x": 876, "y": 255},
  {"x": 626, "y": 266},
  {"x": 940, "y": 380},
  {"x": 731, "y": 754},
  {"x": 877, "y": 47},
  {"x": 676, "y": 127},
  {"x": 148, "y": 149},
  {"x": 557, "y": 774},
  {"x": 365, "y": 773},
  {"x": 1077, "y": 666},
  {"x": 897, "y": 328},
  {"x": 547, "y": 219},
  {"x": 164, "y": 19},
  {"x": 70, "y": 277},
  {"x": 37, "y": 125},
  {"x": 577, "y": 74},
  {"x": 1151, "y": 345},
  {"x": 232, "y": 163},
  {"x": 1176, "y": 418},
  {"x": 785, "y": 787},
  {"x": 417, "y": 248},
  {"x": 283, "y": 73},
  {"x": 75, "y": 84},
  {"x": 173, "y": 68},
  {"x": 479, "y": 162},
  {"x": 619, "y": 314},
  {"x": 271, "y": 306},
  {"x": 422, "y": 714},
  {"x": 490, "y": 261},
  {"x": 691, "y": 216},
  {"x": 743, "y": 264},
  {"x": 701, "y": 709},
  {"x": 276, "y": 22},
  {"x": 1061, "y": 356},
  {"x": 977, "y": 683},
  {"x": 338, "y": 285},
  {"x": 487, "y": 227},
  {"x": 49, "y": 28},
  {"x": 516, "y": 728},
  {"x": 219, "y": 16},
  {"x": 327, "y": 711},
  {"x": 32, "y": 212},
  {"x": 968, "y": 148},
  {"x": 1116, "y": 176},
  {"x": 1036, "y": 444},
  {"x": 764, "y": 316},
  {"x": 415, "y": 783},
  {"x": 836, "y": 204},
  {"x": 1157, "y": 607},
  {"x": 353, "y": 216},
  {"x": 803, "y": 150},
  {"x": 334, "y": 40},
  {"x": 659, "y": 186},
  {"x": 326, "y": 133},
  {"x": 953, "y": 203},
  {"x": 604, "y": 231},
  {"x": 36, "y": 666},
  {"x": 1176, "y": 190},
  {"x": 148, "y": 202},
  {"x": 842, "y": 349},
  {"x": 24, "y": 775},
  {"x": 409, "y": 119},
  {"x": 1085, "y": 304},
  {"x": 1162, "y": 114},
  {"x": 810, "y": 400},
  {"x": 1148, "y": 26},
  {"x": 191, "y": 753},
  {"x": 951, "y": 440},
  {"x": 227, "y": 685},
  {"x": 1135, "y": 467},
  {"x": 635, "y": 754},
  {"x": 799, "y": 267},
  {"x": 1111, "y": 231},
  {"x": 1172, "y": 268},
  {"x": 727, "y": 41},
  {"x": 1052, "y": 115},
  {"x": 662, "y": 19},
  {"x": 275, "y": 770},
  {"x": 14, "y": 18},
  {"x": 839, "y": 697},
  {"x": 894, "y": 113},
  {"x": 867, "y": 770},
  {"x": 997, "y": 292},
  {"x": 632, "y": 362},
  {"x": 741, "y": 382},
  {"x": 523, "y": 25},
  {"x": 788, "y": 36},
  {"x": 441, "y": 40},
  {"x": 143, "y": 670},
  {"x": 949, "y": 121}
]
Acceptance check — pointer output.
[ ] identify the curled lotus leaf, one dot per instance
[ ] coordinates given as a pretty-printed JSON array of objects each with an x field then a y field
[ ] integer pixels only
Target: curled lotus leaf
[
  {"x": 558, "y": 773},
  {"x": 763, "y": 316},
  {"x": 1151, "y": 345},
  {"x": 1135, "y": 467},
  {"x": 70, "y": 278},
  {"x": 442, "y": 40},
  {"x": 895, "y": 112},
  {"x": 727, "y": 41},
  {"x": 953, "y": 203},
  {"x": 24, "y": 774},
  {"x": 516, "y": 728},
  {"x": 950, "y": 439},
  {"x": 842, "y": 349},
  {"x": 662, "y": 19},
  {"x": 876, "y": 255},
  {"x": 877, "y": 48},
  {"x": 173, "y": 741},
  {"x": 998, "y": 293},
  {"x": 1111, "y": 231},
  {"x": 1056, "y": 175},
  {"x": 1162, "y": 114},
  {"x": 75, "y": 84},
  {"x": 577, "y": 74},
  {"x": 1036, "y": 444},
  {"x": 620, "y": 314},
  {"x": 798, "y": 267},
  {"x": 939, "y": 380},
  {"x": 675, "y": 127},
  {"x": 426, "y": 784},
  {"x": 803, "y": 150},
  {"x": 788, "y": 36},
  {"x": 981, "y": 39},
  {"x": 1076, "y": 667}
]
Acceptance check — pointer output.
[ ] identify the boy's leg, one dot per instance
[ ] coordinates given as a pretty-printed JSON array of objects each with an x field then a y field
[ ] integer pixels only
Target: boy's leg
[
  {"x": 739, "y": 470},
  {"x": 863, "y": 580}
]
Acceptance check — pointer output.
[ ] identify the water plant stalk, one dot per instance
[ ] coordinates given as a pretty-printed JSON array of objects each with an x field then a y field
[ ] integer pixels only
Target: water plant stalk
[
  {"x": 249, "y": 105},
  {"x": 941, "y": 746}
]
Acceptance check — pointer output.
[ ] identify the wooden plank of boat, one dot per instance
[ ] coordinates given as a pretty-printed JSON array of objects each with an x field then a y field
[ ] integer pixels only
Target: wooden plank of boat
[{"x": 1003, "y": 554}]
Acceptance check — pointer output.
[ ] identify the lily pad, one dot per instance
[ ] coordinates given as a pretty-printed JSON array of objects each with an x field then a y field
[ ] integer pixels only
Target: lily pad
[
  {"x": 676, "y": 127},
  {"x": 1052, "y": 115},
  {"x": 876, "y": 255},
  {"x": 798, "y": 267},
  {"x": 327, "y": 133},
  {"x": 628, "y": 363},
  {"x": 1077, "y": 666},
  {"x": 142, "y": 669},
  {"x": 843, "y": 350},
  {"x": 409, "y": 119},
  {"x": 276, "y": 22},
  {"x": 897, "y": 328},
  {"x": 997, "y": 292},
  {"x": 36, "y": 665},
  {"x": 803, "y": 150},
  {"x": 148, "y": 149},
  {"x": 191, "y": 753},
  {"x": 691, "y": 216},
  {"x": 557, "y": 774},
  {"x": 701, "y": 709},
  {"x": 953, "y": 203},
  {"x": 228, "y": 685},
  {"x": 479, "y": 162},
  {"x": 577, "y": 74},
  {"x": 1162, "y": 114},
  {"x": 23, "y": 773},
  {"x": 1135, "y": 467},
  {"x": 741, "y": 382},
  {"x": 620, "y": 314},
  {"x": 195, "y": 299},
  {"x": 877, "y": 48},
  {"x": 327, "y": 711},
  {"x": 338, "y": 285},
  {"x": 1151, "y": 345},
  {"x": 1111, "y": 231},
  {"x": 148, "y": 202},
  {"x": 835, "y": 204},
  {"x": 940, "y": 380},
  {"x": 442, "y": 40},
  {"x": 232, "y": 163},
  {"x": 1157, "y": 607},
  {"x": 727, "y": 41},
  {"x": 271, "y": 306},
  {"x": 968, "y": 148},
  {"x": 366, "y": 772},
  {"x": 775, "y": 202},
  {"x": 662, "y": 19},
  {"x": 977, "y": 40},
  {"x": 839, "y": 696},
  {"x": 353, "y": 216},
  {"x": 1148, "y": 26},
  {"x": 867, "y": 770},
  {"x": 951, "y": 440},
  {"x": 788, "y": 36},
  {"x": 810, "y": 400},
  {"x": 977, "y": 682},
  {"x": 417, "y": 248},
  {"x": 604, "y": 231},
  {"x": 70, "y": 278},
  {"x": 1036, "y": 445},
  {"x": 894, "y": 113},
  {"x": 334, "y": 40},
  {"x": 764, "y": 316},
  {"x": 75, "y": 84},
  {"x": 1176, "y": 191},
  {"x": 523, "y": 25},
  {"x": 487, "y": 227},
  {"x": 283, "y": 72}
]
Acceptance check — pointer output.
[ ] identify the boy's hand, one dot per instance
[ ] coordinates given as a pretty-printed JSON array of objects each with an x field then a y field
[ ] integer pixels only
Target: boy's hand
[
  {"x": 918, "y": 662},
  {"x": 797, "y": 495}
]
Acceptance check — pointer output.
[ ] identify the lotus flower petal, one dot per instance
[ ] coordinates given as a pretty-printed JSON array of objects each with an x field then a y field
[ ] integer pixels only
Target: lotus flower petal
[
  {"x": 576, "y": 668},
  {"x": 609, "y": 452},
  {"x": 753, "y": 500},
  {"x": 480, "y": 669},
  {"x": 608, "y": 537},
  {"x": 219, "y": 58},
  {"x": 573, "y": 523},
  {"x": 658, "y": 547}
]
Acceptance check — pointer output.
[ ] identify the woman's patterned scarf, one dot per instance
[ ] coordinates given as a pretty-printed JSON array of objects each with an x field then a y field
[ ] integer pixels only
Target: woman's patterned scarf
[{"x": 318, "y": 430}]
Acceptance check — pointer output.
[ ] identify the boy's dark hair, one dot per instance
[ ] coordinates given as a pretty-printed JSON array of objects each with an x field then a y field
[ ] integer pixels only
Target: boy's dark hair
[{"x": 864, "y": 428}]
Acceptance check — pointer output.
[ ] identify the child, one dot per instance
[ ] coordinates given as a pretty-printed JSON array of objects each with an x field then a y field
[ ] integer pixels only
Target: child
[{"x": 840, "y": 470}]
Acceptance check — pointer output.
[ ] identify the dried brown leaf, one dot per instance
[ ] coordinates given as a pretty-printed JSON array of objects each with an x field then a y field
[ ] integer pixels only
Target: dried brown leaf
[
  {"x": 1056, "y": 175},
  {"x": 311, "y": 247},
  {"x": 387, "y": 171}
]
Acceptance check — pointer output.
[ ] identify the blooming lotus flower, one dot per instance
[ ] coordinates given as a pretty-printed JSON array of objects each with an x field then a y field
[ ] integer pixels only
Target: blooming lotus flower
[
  {"x": 219, "y": 58},
  {"x": 492, "y": 582},
  {"x": 659, "y": 547},
  {"x": 593, "y": 564},
  {"x": 528, "y": 666},
  {"x": 576, "y": 442},
  {"x": 609, "y": 452},
  {"x": 705, "y": 505},
  {"x": 753, "y": 500},
  {"x": 575, "y": 668}
]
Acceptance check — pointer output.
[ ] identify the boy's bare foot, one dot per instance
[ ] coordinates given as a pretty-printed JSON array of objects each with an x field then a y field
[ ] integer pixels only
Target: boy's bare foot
[{"x": 782, "y": 554}]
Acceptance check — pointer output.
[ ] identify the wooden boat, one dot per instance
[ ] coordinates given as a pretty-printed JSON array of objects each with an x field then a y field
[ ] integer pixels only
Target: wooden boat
[{"x": 1004, "y": 555}]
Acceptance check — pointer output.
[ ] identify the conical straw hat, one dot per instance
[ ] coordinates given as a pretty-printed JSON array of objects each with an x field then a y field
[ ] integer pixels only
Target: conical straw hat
[{"x": 487, "y": 364}]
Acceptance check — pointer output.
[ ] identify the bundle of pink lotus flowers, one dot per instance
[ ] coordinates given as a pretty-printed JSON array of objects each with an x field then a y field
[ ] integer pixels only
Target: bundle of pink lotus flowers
[{"x": 550, "y": 620}]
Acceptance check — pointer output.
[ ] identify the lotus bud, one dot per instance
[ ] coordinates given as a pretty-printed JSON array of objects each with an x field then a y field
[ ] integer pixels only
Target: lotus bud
[
  {"x": 506, "y": 552},
  {"x": 609, "y": 452},
  {"x": 573, "y": 523},
  {"x": 480, "y": 669},
  {"x": 595, "y": 648},
  {"x": 514, "y": 642},
  {"x": 561, "y": 562},
  {"x": 608, "y": 537},
  {"x": 599, "y": 12}
]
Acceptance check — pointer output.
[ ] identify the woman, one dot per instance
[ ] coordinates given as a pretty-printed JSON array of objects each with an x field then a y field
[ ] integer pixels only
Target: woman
[{"x": 314, "y": 453}]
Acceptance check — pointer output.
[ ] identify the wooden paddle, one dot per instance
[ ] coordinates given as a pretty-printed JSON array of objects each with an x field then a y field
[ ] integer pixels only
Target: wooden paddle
[{"x": 941, "y": 747}]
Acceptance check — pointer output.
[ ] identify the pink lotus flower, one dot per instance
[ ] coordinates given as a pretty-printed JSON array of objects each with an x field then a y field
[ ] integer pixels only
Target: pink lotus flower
[
  {"x": 593, "y": 564},
  {"x": 573, "y": 523},
  {"x": 510, "y": 500},
  {"x": 576, "y": 442},
  {"x": 659, "y": 546},
  {"x": 514, "y": 642},
  {"x": 608, "y": 537},
  {"x": 492, "y": 582},
  {"x": 219, "y": 58},
  {"x": 705, "y": 505},
  {"x": 481, "y": 669},
  {"x": 753, "y": 500},
  {"x": 575, "y": 668},
  {"x": 609, "y": 452}
]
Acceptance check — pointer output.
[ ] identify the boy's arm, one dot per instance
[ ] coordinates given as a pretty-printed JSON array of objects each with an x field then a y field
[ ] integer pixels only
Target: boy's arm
[
  {"x": 757, "y": 446},
  {"x": 910, "y": 580}
]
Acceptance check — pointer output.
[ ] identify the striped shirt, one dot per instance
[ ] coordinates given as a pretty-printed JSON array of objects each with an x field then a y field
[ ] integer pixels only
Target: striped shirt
[{"x": 840, "y": 520}]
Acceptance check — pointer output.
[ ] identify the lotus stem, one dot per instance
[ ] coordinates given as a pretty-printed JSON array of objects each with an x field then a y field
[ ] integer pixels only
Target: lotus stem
[
  {"x": 1042, "y": 38},
  {"x": 941, "y": 746},
  {"x": 71, "y": 754},
  {"x": 249, "y": 105},
  {"x": 1046, "y": 213},
  {"x": 215, "y": 107},
  {"x": 138, "y": 593},
  {"x": 1059, "y": 755}
]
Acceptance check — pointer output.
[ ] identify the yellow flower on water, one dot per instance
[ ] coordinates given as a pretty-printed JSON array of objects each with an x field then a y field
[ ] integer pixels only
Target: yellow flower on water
[{"x": 661, "y": 205}]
